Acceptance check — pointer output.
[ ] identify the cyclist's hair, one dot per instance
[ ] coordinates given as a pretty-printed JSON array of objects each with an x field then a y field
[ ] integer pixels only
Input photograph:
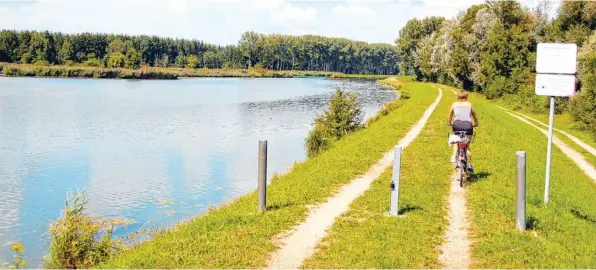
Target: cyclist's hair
[{"x": 462, "y": 95}]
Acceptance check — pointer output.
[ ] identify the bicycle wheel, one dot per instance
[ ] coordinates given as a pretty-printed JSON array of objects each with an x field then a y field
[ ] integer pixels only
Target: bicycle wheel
[{"x": 461, "y": 174}]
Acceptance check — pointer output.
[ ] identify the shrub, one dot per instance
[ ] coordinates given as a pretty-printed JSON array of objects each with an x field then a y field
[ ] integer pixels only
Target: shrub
[
  {"x": 92, "y": 62},
  {"x": 79, "y": 240},
  {"x": 41, "y": 63},
  {"x": 317, "y": 142},
  {"x": 343, "y": 116}
]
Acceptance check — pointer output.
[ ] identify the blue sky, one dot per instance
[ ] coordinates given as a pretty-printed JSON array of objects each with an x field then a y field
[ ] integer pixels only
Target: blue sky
[{"x": 223, "y": 21}]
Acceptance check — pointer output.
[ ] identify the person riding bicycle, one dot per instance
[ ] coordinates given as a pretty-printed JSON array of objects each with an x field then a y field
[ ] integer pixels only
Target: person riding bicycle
[{"x": 460, "y": 119}]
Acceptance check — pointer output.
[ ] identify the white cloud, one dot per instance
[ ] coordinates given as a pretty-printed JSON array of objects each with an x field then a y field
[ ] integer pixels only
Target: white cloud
[
  {"x": 354, "y": 12},
  {"x": 223, "y": 21},
  {"x": 178, "y": 6},
  {"x": 290, "y": 13}
]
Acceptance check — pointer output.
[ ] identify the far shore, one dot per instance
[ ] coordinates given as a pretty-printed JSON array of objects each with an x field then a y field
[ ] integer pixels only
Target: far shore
[{"x": 63, "y": 71}]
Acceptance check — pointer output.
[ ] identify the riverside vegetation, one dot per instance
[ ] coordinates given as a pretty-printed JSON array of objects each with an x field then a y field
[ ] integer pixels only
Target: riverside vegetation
[
  {"x": 273, "y": 52},
  {"x": 491, "y": 49}
]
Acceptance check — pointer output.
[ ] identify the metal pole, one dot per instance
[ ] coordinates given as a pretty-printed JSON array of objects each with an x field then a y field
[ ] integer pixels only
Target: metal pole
[
  {"x": 549, "y": 148},
  {"x": 394, "y": 205},
  {"x": 520, "y": 194},
  {"x": 262, "y": 175}
]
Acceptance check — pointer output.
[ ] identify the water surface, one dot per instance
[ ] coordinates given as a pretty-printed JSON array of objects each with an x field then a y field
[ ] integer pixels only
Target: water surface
[{"x": 152, "y": 151}]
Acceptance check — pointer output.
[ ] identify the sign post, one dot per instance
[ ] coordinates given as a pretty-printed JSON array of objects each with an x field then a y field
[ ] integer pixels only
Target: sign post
[{"x": 556, "y": 65}]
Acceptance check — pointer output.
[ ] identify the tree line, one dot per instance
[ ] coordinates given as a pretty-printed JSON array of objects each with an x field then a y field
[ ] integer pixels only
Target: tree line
[
  {"x": 491, "y": 48},
  {"x": 276, "y": 52}
]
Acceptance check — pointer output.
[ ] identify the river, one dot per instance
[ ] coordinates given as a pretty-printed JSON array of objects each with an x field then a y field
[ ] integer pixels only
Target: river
[{"x": 147, "y": 150}]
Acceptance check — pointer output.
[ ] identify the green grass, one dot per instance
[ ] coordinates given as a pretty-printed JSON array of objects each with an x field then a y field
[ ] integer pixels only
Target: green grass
[
  {"x": 562, "y": 235},
  {"x": 563, "y": 122},
  {"x": 237, "y": 236},
  {"x": 364, "y": 237}
]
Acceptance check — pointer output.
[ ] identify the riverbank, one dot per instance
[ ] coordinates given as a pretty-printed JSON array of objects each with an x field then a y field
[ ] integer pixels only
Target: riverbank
[
  {"x": 61, "y": 71},
  {"x": 237, "y": 236}
]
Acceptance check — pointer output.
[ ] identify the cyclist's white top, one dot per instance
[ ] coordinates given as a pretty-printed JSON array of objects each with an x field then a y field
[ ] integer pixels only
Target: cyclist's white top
[{"x": 462, "y": 111}]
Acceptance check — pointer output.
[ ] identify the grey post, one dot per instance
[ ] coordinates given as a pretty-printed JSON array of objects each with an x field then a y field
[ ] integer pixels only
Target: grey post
[
  {"x": 262, "y": 175},
  {"x": 394, "y": 206},
  {"x": 520, "y": 194},
  {"x": 549, "y": 148}
]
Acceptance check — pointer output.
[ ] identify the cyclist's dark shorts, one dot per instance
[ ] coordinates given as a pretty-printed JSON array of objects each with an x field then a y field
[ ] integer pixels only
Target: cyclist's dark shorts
[{"x": 463, "y": 126}]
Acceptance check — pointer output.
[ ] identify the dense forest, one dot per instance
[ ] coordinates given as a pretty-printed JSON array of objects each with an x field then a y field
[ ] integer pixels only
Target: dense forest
[
  {"x": 491, "y": 48},
  {"x": 274, "y": 52}
]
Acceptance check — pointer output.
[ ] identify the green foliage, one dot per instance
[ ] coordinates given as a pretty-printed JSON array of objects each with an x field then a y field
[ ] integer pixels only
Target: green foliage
[
  {"x": 192, "y": 61},
  {"x": 115, "y": 60},
  {"x": 583, "y": 105},
  {"x": 78, "y": 240},
  {"x": 343, "y": 117},
  {"x": 317, "y": 141},
  {"x": 92, "y": 62},
  {"x": 41, "y": 63},
  {"x": 273, "y": 52},
  {"x": 491, "y": 48}
]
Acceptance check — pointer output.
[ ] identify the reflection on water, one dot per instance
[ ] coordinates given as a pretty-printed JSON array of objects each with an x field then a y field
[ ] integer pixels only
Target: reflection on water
[{"x": 155, "y": 151}]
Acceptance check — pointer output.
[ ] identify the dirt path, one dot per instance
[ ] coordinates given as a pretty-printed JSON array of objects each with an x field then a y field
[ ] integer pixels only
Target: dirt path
[
  {"x": 576, "y": 140},
  {"x": 300, "y": 243},
  {"x": 455, "y": 251},
  {"x": 572, "y": 154}
]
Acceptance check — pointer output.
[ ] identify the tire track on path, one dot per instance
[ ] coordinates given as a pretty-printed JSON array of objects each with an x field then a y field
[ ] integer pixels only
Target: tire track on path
[{"x": 300, "y": 243}]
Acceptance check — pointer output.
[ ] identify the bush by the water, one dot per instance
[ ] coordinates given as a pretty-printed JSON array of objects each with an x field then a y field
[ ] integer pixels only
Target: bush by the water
[
  {"x": 343, "y": 117},
  {"x": 79, "y": 240}
]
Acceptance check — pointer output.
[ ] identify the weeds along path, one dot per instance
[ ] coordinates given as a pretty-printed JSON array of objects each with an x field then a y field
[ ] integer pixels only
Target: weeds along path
[
  {"x": 588, "y": 169},
  {"x": 455, "y": 251},
  {"x": 560, "y": 235},
  {"x": 236, "y": 235},
  {"x": 366, "y": 237},
  {"x": 300, "y": 243}
]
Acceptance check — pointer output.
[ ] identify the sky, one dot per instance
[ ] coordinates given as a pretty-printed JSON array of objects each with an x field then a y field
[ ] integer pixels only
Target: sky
[{"x": 223, "y": 21}]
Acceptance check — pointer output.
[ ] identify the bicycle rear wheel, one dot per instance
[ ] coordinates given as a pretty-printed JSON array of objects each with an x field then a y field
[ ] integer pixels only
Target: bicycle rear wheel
[{"x": 461, "y": 174}]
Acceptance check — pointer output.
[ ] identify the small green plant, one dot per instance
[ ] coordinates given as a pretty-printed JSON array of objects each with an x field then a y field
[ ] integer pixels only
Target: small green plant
[
  {"x": 79, "y": 240},
  {"x": 18, "y": 261},
  {"x": 317, "y": 142},
  {"x": 343, "y": 117}
]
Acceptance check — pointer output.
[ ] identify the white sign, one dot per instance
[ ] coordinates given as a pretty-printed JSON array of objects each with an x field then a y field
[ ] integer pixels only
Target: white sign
[
  {"x": 555, "y": 85},
  {"x": 556, "y": 58}
]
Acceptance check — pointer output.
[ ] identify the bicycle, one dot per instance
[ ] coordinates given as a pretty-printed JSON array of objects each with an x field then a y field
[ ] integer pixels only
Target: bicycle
[{"x": 462, "y": 141}]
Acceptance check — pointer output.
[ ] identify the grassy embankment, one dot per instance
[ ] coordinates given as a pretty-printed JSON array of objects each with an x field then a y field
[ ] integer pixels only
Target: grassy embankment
[
  {"x": 364, "y": 237},
  {"x": 565, "y": 123},
  {"x": 237, "y": 236},
  {"x": 25, "y": 70},
  {"x": 561, "y": 235}
]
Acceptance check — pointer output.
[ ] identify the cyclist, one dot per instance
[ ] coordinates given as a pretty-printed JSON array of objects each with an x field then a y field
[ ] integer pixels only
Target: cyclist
[{"x": 460, "y": 119}]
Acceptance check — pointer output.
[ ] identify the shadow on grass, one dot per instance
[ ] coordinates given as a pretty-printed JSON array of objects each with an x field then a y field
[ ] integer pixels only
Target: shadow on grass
[
  {"x": 277, "y": 206},
  {"x": 585, "y": 217},
  {"x": 531, "y": 223},
  {"x": 478, "y": 177},
  {"x": 409, "y": 208}
]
